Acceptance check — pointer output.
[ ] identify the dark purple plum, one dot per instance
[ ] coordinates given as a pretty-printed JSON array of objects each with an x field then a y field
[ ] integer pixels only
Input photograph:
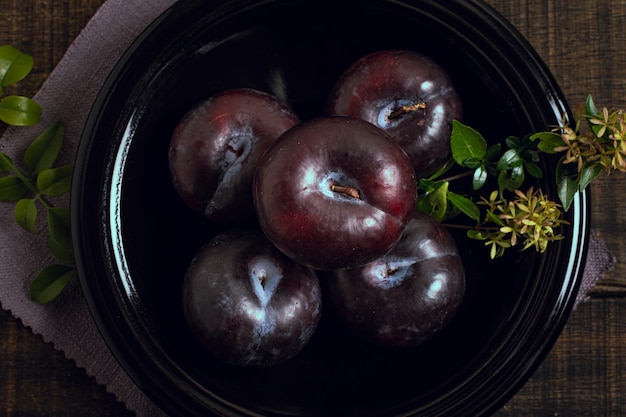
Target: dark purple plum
[
  {"x": 334, "y": 192},
  {"x": 409, "y": 96},
  {"x": 215, "y": 149},
  {"x": 406, "y": 297},
  {"x": 247, "y": 303}
]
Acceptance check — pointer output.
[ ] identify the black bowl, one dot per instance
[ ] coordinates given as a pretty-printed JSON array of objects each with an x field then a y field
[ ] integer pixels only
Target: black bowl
[{"x": 134, "y": 237}]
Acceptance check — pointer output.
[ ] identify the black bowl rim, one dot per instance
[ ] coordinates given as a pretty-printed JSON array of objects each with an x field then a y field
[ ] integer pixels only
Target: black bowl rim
[{"x": 129, "y": 342}]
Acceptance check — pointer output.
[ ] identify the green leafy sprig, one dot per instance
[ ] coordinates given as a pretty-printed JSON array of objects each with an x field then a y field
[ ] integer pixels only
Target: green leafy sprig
[
  {"x": 31, "y": 189},
  {"x": 16, "y": 110},
  {"x": 586, "y": 152},
  {"x": 530, "y": 218},
  {"x": 524, "y": 218},
  {"x": 33, "y": 184}
]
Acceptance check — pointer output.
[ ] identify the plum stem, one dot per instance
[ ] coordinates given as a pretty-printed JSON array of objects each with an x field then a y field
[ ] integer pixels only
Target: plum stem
[
  {"x": 457, "y": 176},
  {"x": 389, "y": 270},
  {"x": 467, "y": 227},
  {"x": 406, "y": 109},
  {"x": 452, "y": 178},
  {"x": 262, "y": 277},
  {"x": 349, "y": 191}
]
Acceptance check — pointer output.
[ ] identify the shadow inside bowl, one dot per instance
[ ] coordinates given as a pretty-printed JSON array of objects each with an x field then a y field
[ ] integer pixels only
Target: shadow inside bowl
[{"x": 135, "y": 237}]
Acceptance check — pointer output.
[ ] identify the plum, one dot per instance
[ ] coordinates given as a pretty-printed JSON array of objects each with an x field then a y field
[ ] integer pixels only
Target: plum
[
  {"x": 408, "y": 95},
  {"x": 334, "y": 192},
  {"x": 406, "y": 297},
  {"x": 247, "y": 303},
  {"x": 215, "y": 149}
]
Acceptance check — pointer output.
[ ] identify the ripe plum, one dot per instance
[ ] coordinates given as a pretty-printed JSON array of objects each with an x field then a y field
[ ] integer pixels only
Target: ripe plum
[
  {"x": 216, "y": 147},
  {"x": 247, "y": 303},
  {"x": 405, "y": 297},
  {"x": 334, "y": 192},
  {"x": 409, "y": 96}
]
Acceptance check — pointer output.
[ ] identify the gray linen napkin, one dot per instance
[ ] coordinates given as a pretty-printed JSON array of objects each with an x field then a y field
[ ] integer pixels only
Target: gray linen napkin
[{"x": 67, "y": 95}]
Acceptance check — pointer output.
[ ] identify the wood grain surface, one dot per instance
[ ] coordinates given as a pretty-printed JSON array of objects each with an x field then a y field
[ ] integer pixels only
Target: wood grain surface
[{"x": 583, "y": 42}]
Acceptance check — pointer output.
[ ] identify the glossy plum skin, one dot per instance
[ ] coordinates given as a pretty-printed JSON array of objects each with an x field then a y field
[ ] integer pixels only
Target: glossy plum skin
[
  {"x": 247, "y": 303},
  {"x": 216, "y": 146},
  {"x": 376, "y": 86},
  {"x": 403, "y": 299},
  {"x": 305, "y": 212}
]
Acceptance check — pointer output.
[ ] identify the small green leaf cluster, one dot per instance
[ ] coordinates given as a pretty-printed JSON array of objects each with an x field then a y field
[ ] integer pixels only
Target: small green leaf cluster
[
  {"x": 520, "y": 158},
  {"x": 437, "y": 200},
  {"x": 31, "y": 189},
  {"x": 470, "y": 151},
  {"x": 16, "y": 110},
  {"x": 528, "y": 217},
  {"x": 586, "y": 152}
]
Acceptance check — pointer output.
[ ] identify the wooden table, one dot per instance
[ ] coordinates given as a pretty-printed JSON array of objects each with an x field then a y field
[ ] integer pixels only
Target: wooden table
[{"x": 584, "y": 44}]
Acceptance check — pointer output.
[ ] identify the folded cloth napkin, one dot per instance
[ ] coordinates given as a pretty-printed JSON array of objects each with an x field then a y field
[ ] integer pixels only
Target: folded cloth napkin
[{"x": 67, "y": 95}]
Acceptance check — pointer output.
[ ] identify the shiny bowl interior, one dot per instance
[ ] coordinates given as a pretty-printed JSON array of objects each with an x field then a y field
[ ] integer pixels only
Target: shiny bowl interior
[{"x": 134, "y": 237}]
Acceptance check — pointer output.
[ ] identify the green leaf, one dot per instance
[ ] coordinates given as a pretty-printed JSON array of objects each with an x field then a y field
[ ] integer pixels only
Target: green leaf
[
  {"x": 466, "y": 143},
  {"x": 26, "y": 214},
  {"x": 14, "y": 65},
  {"x": 44, "y": 150},
  {"x": 59, "y": 226},
  {"x": 513, "y": 142},
  {"x": 467, "y": 206},
  {"x": 62, "y": 253},
  {"x": 479, "y": 177},
  {"x": 530, "y": 155},
  {"x": 567, "y": 184},
  {"x": 548, "y": 141},
  {"x": 511, "y": 180},
  {"x": 510, "y": 159},
  {"x": 472, "y": 163},
  {"x": 476, "y": 235},
  {"x": 443, "y": 169},
  {"x": 591, "y": 110},
  {"x": 426, "y": 185},
  {"x": 11, "y": 188},
  {"x": 6, "y": 165},
  {"x": 435, "y": 203},
  {"x": 50, "y": 282},
  {"x": 533, "y": 169},
  {"x": 493, "y": 151},
  {"x": 494, "y": 218},
  {"x": 55, "y": 181},
  {"x": 19, "y": 111},
  {"x": 567, "y": 190},
  {"x": 517, "y": 175},
  {"x": 588, "y": 174}
]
